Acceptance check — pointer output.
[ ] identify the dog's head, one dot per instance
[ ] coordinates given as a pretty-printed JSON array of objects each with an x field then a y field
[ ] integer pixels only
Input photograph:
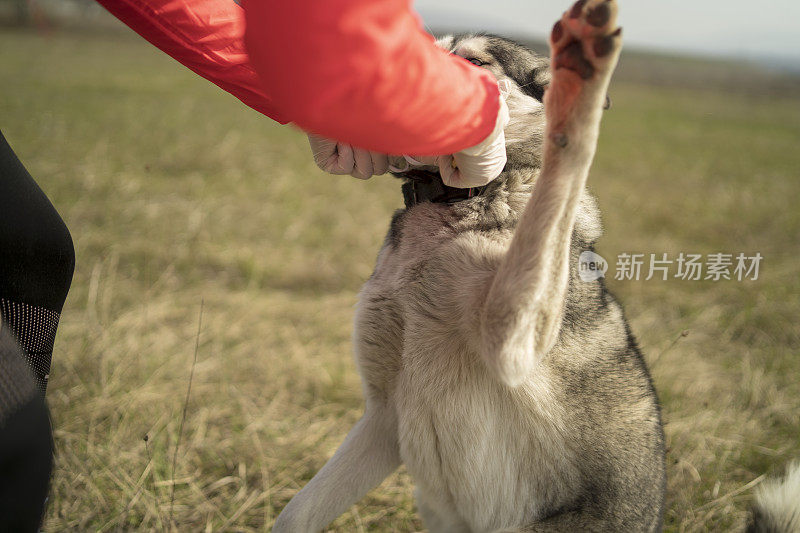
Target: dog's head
[{"x": 528, "y": 74}]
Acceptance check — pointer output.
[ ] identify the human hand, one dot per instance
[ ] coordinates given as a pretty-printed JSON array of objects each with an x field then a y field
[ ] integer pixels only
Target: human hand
[
  {"x": 478, "y": 165},
  {"x": 339, "y": 158}
]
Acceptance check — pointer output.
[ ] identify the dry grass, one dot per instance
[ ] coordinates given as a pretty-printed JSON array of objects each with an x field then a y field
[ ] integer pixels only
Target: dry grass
[{"x": 175, "y": 193}]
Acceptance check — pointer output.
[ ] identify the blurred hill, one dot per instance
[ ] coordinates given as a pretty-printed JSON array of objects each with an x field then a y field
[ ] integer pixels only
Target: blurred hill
[{"x": 690, "y": 72}]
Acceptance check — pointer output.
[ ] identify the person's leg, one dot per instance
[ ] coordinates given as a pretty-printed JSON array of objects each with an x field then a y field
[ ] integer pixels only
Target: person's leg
[
  {"x": 36, "y": 263},
  {"x": 26, "y": 449},
  {"x": 37, "y": 260}
]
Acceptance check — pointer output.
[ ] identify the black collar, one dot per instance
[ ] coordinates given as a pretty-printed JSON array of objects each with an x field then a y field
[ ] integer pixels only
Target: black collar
[{"x": 423, "y": 186}]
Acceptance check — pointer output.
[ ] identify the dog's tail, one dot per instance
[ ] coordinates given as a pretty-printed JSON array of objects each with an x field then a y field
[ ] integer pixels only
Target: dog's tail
[{"x": 777, "y": 505}]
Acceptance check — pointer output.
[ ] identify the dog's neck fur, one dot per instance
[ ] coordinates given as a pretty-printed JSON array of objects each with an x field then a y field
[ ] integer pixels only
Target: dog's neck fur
[
  {"x": 499, "y": 204},
  {"x": 503, "y": 201}
]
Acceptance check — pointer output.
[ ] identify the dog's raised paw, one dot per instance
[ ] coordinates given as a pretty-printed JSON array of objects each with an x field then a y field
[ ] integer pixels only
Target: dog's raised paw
[{"x": 586, "y": 40}]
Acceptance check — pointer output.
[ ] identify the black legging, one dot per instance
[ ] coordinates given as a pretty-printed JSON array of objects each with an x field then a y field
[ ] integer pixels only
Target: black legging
[
  {"x": 36, "y": 264},
  {"x": 26, "y": 452}
]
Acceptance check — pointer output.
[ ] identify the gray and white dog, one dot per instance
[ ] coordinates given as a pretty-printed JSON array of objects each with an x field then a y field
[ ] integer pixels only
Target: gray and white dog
[{"x": 512, "y": 390}]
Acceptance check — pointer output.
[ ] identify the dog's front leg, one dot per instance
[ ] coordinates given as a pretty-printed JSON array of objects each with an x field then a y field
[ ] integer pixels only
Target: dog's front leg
[
  {"x": 524, "y": 305},
  {"x": 368, "y": 454}
]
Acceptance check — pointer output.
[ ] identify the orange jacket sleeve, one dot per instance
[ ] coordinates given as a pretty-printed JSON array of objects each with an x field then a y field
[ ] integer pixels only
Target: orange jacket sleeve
[
  {"x": 364, "y": 72},
  {"x": 358, "y": 71},
  {"x": 207, "y": 36}
]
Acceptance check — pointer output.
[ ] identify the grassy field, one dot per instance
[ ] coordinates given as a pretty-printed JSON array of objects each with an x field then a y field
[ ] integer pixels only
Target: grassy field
[{"x": 177, "y": 194}]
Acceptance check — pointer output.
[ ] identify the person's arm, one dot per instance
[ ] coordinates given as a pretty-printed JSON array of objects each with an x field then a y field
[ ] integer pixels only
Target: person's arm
[
  {"x": 365, "y": 73},
  {"x": 359, "y": 71},
  {"x": 207, "y": 36}
]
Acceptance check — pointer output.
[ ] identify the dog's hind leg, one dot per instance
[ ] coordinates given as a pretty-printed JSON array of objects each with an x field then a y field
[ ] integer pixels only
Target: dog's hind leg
[
  {"x": 523, "y": 309},
  {"x": 368, "y": 454}
]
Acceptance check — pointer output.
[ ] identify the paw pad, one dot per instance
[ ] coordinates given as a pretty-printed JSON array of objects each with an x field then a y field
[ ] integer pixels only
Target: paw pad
[
  {"x": 576, "y": 10},
  {"x": 599, "y": 15},
  {"x": 604, "y": 45},
  {"x": 584, "y": 40},
  {"x": 558, "y": 32}
]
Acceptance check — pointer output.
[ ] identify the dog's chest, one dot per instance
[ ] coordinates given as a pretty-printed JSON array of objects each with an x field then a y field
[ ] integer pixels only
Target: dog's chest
[
  {"x": 472, "y": 445},
  {"x": 464, "y": 438}
]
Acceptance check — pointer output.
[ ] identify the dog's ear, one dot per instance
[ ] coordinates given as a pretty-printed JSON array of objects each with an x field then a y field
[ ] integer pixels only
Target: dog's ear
[
  {"x": 536, "y": 81},
  {"x": 532, "y": 76},
  {"x": 530, "y": 71}
]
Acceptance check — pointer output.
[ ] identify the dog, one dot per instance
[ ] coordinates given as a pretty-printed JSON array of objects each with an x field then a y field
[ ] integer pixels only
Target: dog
[{"x": 513, "y": 391}]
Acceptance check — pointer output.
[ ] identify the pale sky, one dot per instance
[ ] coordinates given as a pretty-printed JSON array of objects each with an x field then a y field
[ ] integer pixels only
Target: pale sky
[{"x": 707, "y": 27}]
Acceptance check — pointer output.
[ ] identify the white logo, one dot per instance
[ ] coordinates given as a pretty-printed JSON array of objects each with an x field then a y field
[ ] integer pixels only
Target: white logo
[{"x": 591, "y": 266}]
